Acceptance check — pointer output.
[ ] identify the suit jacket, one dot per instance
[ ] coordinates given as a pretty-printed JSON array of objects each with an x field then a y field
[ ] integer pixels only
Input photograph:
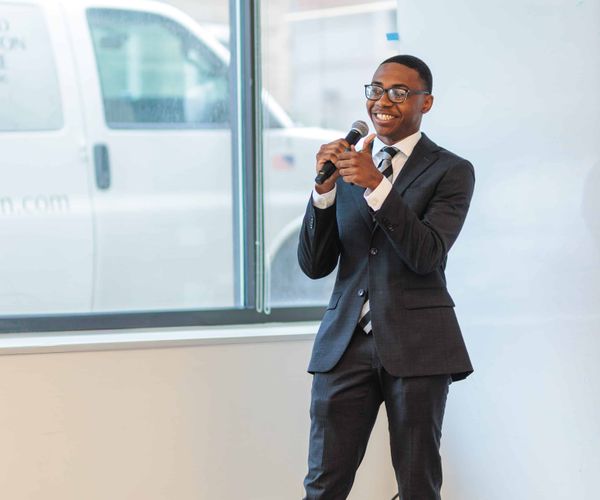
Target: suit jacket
[{"x": 396, "y": 256}]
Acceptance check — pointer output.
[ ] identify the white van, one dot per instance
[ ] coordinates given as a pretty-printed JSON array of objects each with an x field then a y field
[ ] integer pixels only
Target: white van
[{"x": 115, "y": 159}]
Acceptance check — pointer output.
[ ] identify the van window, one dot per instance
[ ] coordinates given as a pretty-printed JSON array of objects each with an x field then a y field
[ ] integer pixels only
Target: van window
[
  {"x": 155, "y": 74},
  {"x": 29, "y": 92}
]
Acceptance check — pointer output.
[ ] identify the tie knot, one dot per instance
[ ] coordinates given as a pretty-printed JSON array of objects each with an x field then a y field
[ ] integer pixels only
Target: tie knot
[
  {"x": 388, "y": 152},
  {"x": 385, "y": 164}
]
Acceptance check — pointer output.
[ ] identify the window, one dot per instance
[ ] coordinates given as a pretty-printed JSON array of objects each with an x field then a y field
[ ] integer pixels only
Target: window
[
  {"x": 155, "y": 73},
  {"x": 167, "y": 217},
  {"x": 314, "y": 58},
  {"x": 156, "y": 172},
  {"x": 186, "y": 206}
]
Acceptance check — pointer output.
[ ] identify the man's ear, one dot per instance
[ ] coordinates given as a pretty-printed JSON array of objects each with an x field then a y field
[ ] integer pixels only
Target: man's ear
[{"x": 427, "y": 104}]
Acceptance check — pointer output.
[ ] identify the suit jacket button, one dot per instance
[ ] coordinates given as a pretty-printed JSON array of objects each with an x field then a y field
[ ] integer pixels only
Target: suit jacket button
[
  {"x": 373, "y": 251},
  {"x": 361, "y": 293}
]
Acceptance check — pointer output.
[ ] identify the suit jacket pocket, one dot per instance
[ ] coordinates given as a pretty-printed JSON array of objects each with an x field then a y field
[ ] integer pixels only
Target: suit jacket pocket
[{"x": 421, "y": 298}]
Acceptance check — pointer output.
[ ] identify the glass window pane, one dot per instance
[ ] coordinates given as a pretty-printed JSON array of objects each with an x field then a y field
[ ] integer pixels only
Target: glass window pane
[
  {"x": 155, "y": 72},
  {"x": 29, "y": 93},
  {"x": 167, "y": 217},
  {"x": 316, "y": 55},
  {"x": 130, "y": 207}
]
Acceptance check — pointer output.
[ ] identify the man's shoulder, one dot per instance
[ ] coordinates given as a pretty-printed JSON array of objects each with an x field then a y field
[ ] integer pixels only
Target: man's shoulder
[{"x": 445, "y": 156}]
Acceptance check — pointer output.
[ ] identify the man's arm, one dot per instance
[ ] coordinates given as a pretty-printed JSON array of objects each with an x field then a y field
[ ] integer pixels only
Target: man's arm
[
  {"x": 423, "y": 244},
  {"x": 319, "y": 246}
]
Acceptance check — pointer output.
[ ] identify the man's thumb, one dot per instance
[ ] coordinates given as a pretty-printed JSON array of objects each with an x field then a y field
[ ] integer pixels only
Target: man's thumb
[{"x": 368, "y": 144}]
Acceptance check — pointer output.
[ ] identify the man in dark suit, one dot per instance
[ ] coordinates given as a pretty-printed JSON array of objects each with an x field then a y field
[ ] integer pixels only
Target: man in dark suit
[{"x": 388, "y": 216}]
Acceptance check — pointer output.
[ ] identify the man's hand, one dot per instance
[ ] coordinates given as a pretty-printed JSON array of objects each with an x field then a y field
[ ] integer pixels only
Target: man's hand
[
  {"x": 357, "y": 167},
  {"x": 329, "y": 152}
]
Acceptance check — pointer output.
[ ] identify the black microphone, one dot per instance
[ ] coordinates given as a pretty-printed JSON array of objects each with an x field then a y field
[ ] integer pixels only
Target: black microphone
[{"x": 359, "y": 129}]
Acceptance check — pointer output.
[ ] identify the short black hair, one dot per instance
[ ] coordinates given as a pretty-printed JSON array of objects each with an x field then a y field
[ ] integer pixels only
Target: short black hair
[{"x": 418, "y": 65}]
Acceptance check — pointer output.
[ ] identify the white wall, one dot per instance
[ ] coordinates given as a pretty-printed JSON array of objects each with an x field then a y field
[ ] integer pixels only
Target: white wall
[
  {"x": 211, "y": 422},
  {"x": 229, "y": 421},
  {"x": 516, "y": 92}
]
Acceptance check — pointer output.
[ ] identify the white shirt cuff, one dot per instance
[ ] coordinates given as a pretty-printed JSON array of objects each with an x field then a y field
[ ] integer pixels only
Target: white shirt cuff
[
  {"x": 377, "y": 196},
  {"x": 324, "y": 200}
]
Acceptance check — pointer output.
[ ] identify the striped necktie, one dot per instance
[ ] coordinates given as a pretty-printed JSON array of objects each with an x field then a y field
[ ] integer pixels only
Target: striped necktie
[{"x": 385, "y": 167}]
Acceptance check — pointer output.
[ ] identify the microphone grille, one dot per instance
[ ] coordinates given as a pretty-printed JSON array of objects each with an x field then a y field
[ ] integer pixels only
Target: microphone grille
[{"x": 361, "y": 127}]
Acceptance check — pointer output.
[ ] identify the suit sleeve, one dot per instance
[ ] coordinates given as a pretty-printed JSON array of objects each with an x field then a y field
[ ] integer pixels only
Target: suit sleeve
[
  {"x": 423, "y": 243},
  {"x": 319, "y": 246}
]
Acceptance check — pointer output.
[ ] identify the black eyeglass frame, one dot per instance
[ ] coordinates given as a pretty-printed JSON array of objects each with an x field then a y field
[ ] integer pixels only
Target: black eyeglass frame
[{"x": 388, "y": 91}]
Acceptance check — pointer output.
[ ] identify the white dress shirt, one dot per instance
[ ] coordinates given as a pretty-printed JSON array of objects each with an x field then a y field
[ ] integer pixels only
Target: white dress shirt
[{"x": 376, "y": 197}]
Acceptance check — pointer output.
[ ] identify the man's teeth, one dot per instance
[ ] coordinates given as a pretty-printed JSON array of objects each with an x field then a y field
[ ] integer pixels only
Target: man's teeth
[{"x": 383, "y": 117}]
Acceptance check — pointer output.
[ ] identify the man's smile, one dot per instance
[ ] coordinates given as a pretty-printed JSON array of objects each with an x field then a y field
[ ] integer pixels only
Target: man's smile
[{"x": 384, "y": 117}]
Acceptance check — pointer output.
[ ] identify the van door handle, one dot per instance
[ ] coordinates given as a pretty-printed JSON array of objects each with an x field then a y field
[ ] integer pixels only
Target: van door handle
[{"x": 102, "y": 166}]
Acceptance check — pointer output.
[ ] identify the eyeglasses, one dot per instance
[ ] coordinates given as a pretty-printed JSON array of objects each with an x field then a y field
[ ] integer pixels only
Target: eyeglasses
[{"x": 395, "y": 94}]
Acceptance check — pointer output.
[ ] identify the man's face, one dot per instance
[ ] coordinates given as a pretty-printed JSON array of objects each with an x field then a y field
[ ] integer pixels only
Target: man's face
[{"x": 395, "y": 121}]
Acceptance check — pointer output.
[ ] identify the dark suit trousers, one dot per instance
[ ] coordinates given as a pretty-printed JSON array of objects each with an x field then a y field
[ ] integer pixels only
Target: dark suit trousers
[{"x": 344, "y": 406}]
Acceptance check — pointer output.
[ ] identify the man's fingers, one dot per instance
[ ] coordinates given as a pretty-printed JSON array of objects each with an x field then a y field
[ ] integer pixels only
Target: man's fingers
[
  {"x": 350, "y": 178},
  {"x": 346, "y": 162},
  {"x": 368, "y": 144},
  {"x": 347, "y": 169},
  {"x": 337, "y": 146},
  {"x": 331, "y": 152},
  {"x": 324, "y": 157}
]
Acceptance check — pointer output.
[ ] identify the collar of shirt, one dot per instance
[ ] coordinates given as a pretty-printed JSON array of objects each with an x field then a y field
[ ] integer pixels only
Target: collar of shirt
[{"x": 404, "y": 146}]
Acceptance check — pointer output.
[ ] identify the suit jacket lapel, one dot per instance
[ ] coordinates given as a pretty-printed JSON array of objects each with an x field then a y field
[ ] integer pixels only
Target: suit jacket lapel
[
  {"x": 420, "y": 160},
  {"x": 364, "y": 210}
]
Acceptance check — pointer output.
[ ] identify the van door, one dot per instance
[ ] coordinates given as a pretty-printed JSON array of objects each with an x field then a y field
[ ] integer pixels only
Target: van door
[
  {"x": 45, "y": 209},
  {"x": 158, "y": 110}
]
